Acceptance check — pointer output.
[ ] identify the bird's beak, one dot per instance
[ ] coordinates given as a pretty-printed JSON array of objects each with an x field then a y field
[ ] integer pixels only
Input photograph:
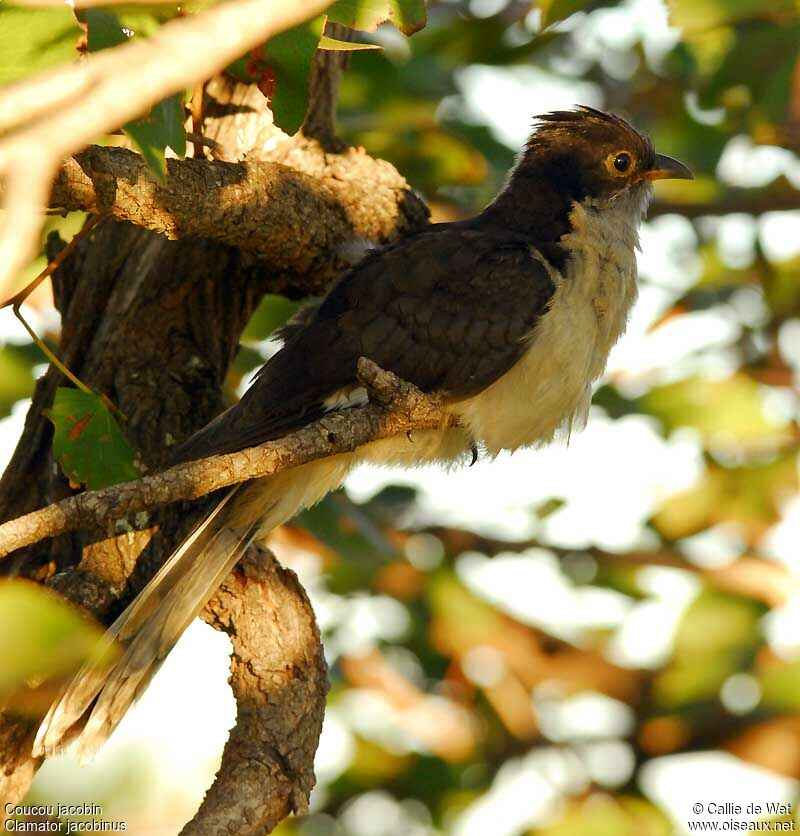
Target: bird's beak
[{"x": 666, "y": 167}]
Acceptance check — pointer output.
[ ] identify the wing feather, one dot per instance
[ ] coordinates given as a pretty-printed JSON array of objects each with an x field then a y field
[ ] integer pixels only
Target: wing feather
[{"x": 447, "y": 309}]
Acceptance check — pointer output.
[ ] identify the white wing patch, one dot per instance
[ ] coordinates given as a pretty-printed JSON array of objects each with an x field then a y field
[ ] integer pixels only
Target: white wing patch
[{"x": 345, "y": 398}]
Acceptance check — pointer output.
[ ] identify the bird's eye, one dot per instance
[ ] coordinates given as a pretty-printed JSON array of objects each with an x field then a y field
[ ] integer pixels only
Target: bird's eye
[{"x": 622, "y": 162}]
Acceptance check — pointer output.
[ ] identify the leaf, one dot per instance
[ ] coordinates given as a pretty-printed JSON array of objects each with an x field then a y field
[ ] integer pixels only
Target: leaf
[
  {"x": 697, "y": 15},
  {"x": 112, "y": 28},
  {"x": 729, "y": 413},
  {"x": 717, "y": 637},
  {"x": 604, "y": 815},
  {"x": 103, "y": 30},
  {"x": 743, "y": 65},
  {"x": 343, "y": 46},
  {"x": 555, "y": 10},
  {"x": 41, "y": 636},
  {"x": 272, "y": 312},
  {"x": 32, "y": 40},
  {"x": 750, "y": 497},
  {"x": 16, "y": 374},
  {"x": 289, "y": 56},
  {"x": 408, "y": 16},
  {"x": 88, "y": 442},
  {"x": 780, "y": 685},
  {"x": 163, "y": 126}
]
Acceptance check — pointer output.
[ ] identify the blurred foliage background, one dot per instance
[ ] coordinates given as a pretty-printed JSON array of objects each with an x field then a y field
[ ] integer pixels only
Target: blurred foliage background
[{"x": 580, "y": 641}]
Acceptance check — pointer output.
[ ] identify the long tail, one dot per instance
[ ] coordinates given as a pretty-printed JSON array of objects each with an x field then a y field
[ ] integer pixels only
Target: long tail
[{"x": 149, "y": 628}]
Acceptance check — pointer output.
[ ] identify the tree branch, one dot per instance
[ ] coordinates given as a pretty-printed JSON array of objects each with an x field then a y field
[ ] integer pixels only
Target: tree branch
[
  {"x": 746, "y": 201},
  {"x": 340, "y": 432},
  {"x": 295, "y": 221},
  {"x": 56, "y": 113},
  {"x": 279, "y": 680}
]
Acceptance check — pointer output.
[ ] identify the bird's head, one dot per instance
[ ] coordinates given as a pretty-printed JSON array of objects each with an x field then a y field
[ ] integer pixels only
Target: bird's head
[{"x": 591, "y": 154}]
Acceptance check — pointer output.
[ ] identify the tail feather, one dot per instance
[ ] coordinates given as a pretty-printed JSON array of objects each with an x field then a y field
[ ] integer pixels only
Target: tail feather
[
  {"x": 151, "y": 645},
  {"x": 152, "y": 624},
  {"x": 141, "y": 618}
]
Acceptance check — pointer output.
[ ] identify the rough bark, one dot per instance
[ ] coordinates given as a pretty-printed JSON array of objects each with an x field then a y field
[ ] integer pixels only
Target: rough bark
[
  {"x": 154, "y": 324},
  {"x": 295, "y": 222},
  {"x": 266, "y": 771}
]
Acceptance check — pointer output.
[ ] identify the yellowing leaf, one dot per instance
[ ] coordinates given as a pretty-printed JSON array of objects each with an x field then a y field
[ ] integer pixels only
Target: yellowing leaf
[
  {"x": 693, "y": 15},
  {"x": 343, "y": 46},
  {"x": 749, "y": 496},
  {"x": 35, "y": 39},
  {"x": 408, "y": 16},
  {"x": 41, "y": 636},
  {"x": 727, "y": 412}
]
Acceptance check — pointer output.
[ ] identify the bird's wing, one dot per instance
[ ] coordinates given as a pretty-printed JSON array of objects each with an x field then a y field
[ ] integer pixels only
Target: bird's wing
[{"x": 447, "y": 309}]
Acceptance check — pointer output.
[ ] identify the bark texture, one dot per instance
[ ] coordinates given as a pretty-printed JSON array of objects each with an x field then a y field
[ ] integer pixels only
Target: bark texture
[
  {"x": 154, "y": 324},
  {"x": 294, "y": 221},
  {"x": 267, "y": 768}
]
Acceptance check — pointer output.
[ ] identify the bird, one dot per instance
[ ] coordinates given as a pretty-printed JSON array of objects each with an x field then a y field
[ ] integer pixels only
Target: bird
[{"x": 507, "y": 317}]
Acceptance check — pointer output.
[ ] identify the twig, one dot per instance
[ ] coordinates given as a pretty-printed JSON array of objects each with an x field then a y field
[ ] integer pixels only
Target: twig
[
  {"x": 49, "y": 354},
  {"x": 18, "y": 298},
  {"x": 47, "y": 118},
  {"x": 339, "y": 432},
  {"x": 16, "y": 302},
  {"x": 196, "y": 109}
]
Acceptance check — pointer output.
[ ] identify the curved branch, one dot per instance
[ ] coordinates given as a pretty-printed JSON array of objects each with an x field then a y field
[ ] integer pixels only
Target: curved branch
[
  {"x": 279, "y": 680},
  {"x": 408, "y": 409},
  {"x": 294, "y": 220}
]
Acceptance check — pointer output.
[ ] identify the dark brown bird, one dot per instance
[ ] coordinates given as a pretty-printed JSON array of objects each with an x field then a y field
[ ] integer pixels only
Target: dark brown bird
[{"x": 509, "y": 316}]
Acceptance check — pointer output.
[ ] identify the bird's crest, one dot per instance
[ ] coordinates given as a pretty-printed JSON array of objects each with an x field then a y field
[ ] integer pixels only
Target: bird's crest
[{"x": 590, "y": 123}]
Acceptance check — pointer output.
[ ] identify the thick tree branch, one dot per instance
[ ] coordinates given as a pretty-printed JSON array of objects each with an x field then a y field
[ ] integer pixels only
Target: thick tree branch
[
  {"x": 279, "y": 680},
  {"x": 47, "y": 118},
  {"x": 341, "y": 432},
  {"x": 296, "y": 222},
  {"x": 323, "y": 89}
]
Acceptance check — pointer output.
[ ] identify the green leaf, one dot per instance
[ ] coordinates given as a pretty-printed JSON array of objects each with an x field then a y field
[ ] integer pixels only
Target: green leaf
[
  {"x": 780, "y": 685},
  {"x": 408, "y": 16},
  {"x": 16, "y": 374},
  {"x": 718, "y": 636},
  {"x": 750, "y": 497},
  {"x": 88, "y": 442},
  {"x": 343, "y": 46},
  {"x": 770, "y": 84},
  {"x": 103, "y": 30},
  {"x": 113, "y": 28},
  {"x": 272, "y": 312},
  {"x": 163, "y": 126},
  {"x": 35, "y": 39},
  {"x": 289, "y": 55},
  {"x": 41, "y": 635}
]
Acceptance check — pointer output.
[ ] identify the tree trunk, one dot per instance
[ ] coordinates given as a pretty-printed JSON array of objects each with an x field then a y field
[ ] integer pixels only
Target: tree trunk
[{"x": 154, "y": 324}]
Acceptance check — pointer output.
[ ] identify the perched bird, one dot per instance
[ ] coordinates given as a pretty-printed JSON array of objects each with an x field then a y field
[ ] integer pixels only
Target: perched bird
[{"x": 508, "y": 316}]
